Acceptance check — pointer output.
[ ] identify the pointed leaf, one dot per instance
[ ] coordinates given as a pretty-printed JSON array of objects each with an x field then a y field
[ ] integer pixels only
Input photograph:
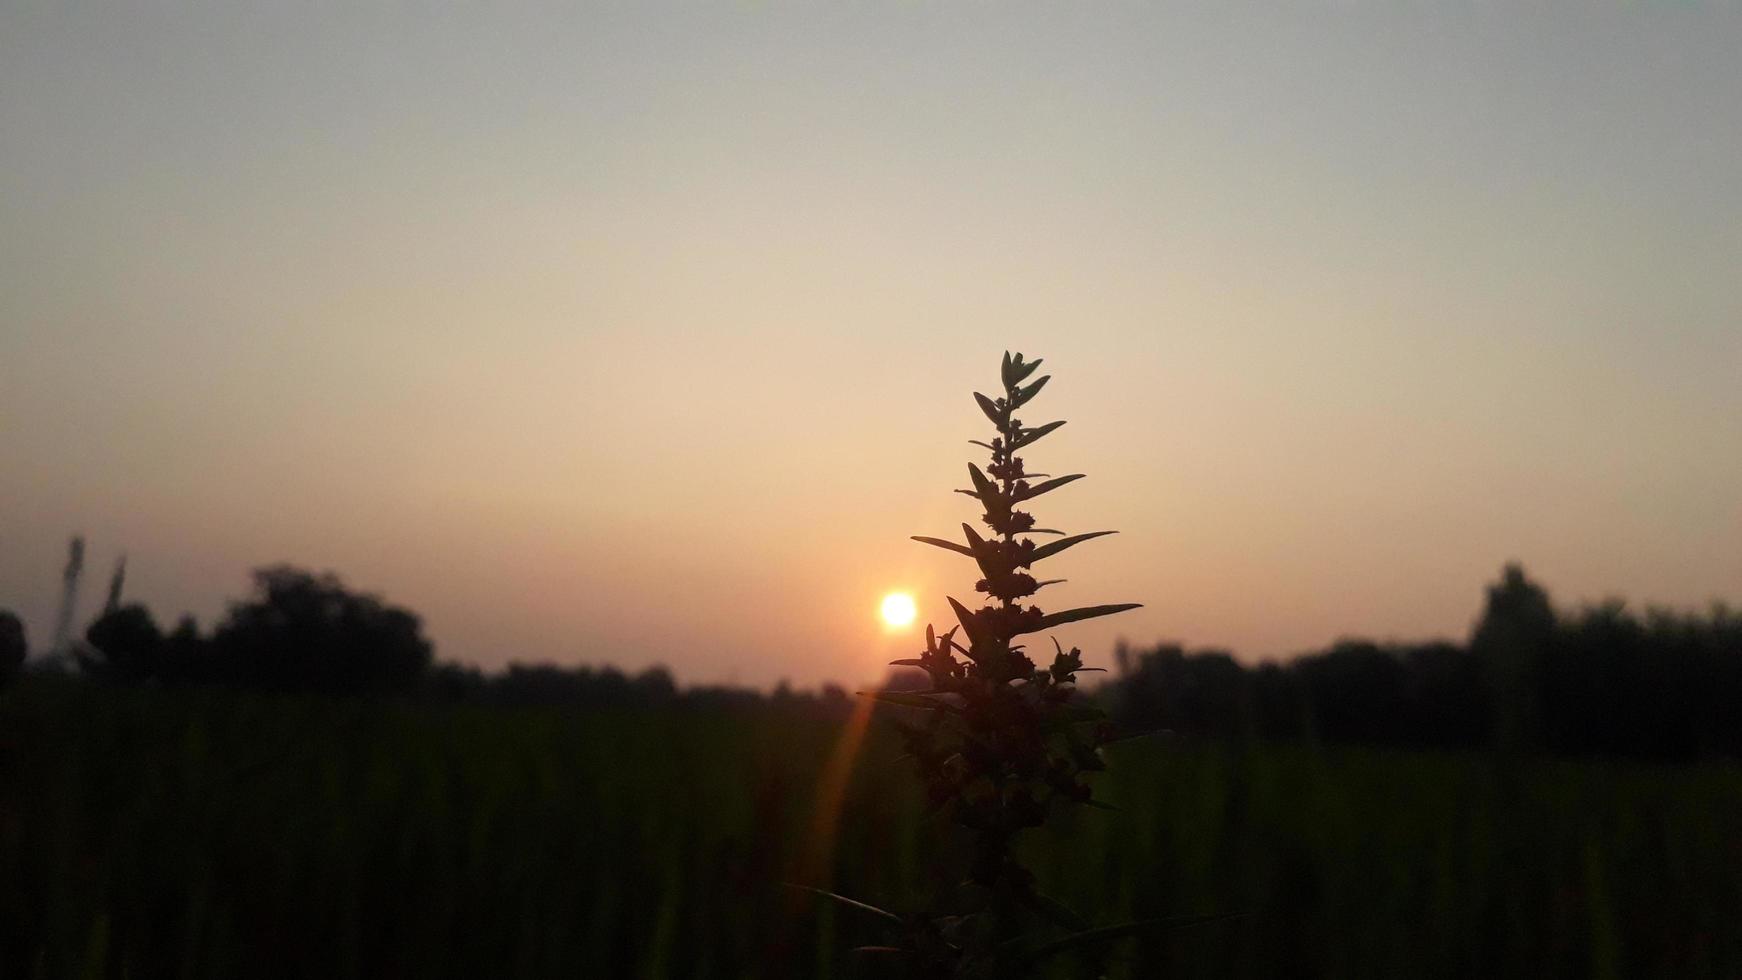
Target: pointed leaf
[
  {"x": 844, "y": 900},
  {"x": 970, "y": 622},
  {"x": 981, "y": 444},
  {"x": 974, "y": 540},
  {"x": 1055, "y": 910},
  {"x": 1004, "y": 369},
  {"x": 987, "y": 491},
  {"x": 991, "y": 409},
  {"x": 1061, "y": 543},
  {"x": 1020, "y": 371},
  {"x": 1050, "y": 485},
  {"x": 1048, "y": 550},
  {"x": 941, "y": 543},
  {"x": 1134, "y": 736},
  {"x": 1029, "y": 436},
  {"x": 1022, "y": 397},
  {"x": 1077, "y": 615},
  {"x": 909, "y": 699},
  {"x": 909, "y": 662}
]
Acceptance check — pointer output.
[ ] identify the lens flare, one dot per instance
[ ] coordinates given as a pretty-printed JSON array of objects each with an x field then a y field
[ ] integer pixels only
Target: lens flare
[{"x": 898, "y": 609}]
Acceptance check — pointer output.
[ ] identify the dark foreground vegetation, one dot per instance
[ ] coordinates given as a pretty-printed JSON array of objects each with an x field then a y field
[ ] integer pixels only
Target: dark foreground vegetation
[
  {"x": 153, "y": 832},
  {"x": 303, "y": 790}
]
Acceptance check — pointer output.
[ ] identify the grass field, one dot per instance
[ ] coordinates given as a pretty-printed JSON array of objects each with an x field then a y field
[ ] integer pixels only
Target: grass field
[{"x": 204, "y": 834}]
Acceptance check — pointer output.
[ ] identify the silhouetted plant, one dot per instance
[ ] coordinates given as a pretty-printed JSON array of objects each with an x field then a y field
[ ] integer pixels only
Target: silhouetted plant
[{"x": 1003, "y": 739}]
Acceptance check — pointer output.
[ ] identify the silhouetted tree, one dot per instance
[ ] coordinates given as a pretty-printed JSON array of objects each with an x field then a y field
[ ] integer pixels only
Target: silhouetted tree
[
  {"x": 125, "y": 645},
  {"x": 1204, "y": 693},
  {"x": 1279, "y": 702},
  {"x": 186, "y": 656},
  {"x": 1512, "y": 641},
  {"x": 455, "y": 682},
  {"x": 1356, "y": 692},
  {"x": 1445, "y": 696},
  {"x": 307, "y": 632},
  {"x": 550, "y": 684},
  {"x": 12, "y": 647}
]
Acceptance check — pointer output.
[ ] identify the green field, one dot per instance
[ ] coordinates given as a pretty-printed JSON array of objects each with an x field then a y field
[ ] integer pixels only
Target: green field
[{"x": 204, "y": 834}]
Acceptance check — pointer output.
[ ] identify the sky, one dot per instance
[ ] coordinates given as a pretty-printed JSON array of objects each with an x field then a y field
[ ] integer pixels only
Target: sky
[{"x": 646, "y": 333}]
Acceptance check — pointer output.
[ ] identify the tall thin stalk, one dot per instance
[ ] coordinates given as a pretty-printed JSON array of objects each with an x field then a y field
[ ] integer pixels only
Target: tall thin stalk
[{"x": 1000, "y": 742}]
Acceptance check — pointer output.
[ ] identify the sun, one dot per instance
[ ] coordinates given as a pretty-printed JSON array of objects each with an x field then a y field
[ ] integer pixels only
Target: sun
[{"x": 898, "y": 609}]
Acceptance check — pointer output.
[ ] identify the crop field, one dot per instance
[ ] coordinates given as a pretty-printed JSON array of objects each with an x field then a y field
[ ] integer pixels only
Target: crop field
[{"x": 151, "y": 833}]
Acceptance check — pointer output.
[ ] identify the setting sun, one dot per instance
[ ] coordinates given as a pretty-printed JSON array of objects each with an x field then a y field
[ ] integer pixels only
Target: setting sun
[{"x": 898, "y": 609}]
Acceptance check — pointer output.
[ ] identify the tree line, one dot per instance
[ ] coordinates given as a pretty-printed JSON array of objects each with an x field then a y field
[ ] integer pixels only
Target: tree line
[
  {"x": 1600, "y": 680},
  {"x": 302, "y": 632}
]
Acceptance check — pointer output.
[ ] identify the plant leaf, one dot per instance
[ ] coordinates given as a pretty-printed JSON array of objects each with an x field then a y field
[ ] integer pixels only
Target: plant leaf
[
  {"x": 1060, "y": 913},
  {"x": 844, "y": 900},
  {"x": 1134, "y": 736},
  {"x": 1027, "y": 436},
  {"x": 1022, "y": 397},
  {"x": 909, "y": 699},
  {"x": 974, "y": 540},
  {"x": 991, "y": 409},
  {"x": 1077, "y": 615},
  {"x": 987, "y": 491},
  {"x": 1052, "y": 484},
  {"x": 909, "y": 662},
  {"x": 970, "y": 622},
  {"x": 1048, "y": 550},
  {"x": 941, "y": 543},
  {"x": 1018, "y": 371}
]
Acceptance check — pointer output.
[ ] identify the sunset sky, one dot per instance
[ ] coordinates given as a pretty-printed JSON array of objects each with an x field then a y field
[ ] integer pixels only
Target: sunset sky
[{"x": 646, "y": 334}]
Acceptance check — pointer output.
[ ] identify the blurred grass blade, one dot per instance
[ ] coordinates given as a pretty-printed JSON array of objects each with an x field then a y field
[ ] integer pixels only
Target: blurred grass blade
[
  {"x": 1108, "y": 934},
  {"x": 844, "y": 900}
]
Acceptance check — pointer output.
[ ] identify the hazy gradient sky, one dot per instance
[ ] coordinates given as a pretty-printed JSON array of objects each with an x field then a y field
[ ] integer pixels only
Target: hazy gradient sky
[{"x": 645, "y": 334}]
